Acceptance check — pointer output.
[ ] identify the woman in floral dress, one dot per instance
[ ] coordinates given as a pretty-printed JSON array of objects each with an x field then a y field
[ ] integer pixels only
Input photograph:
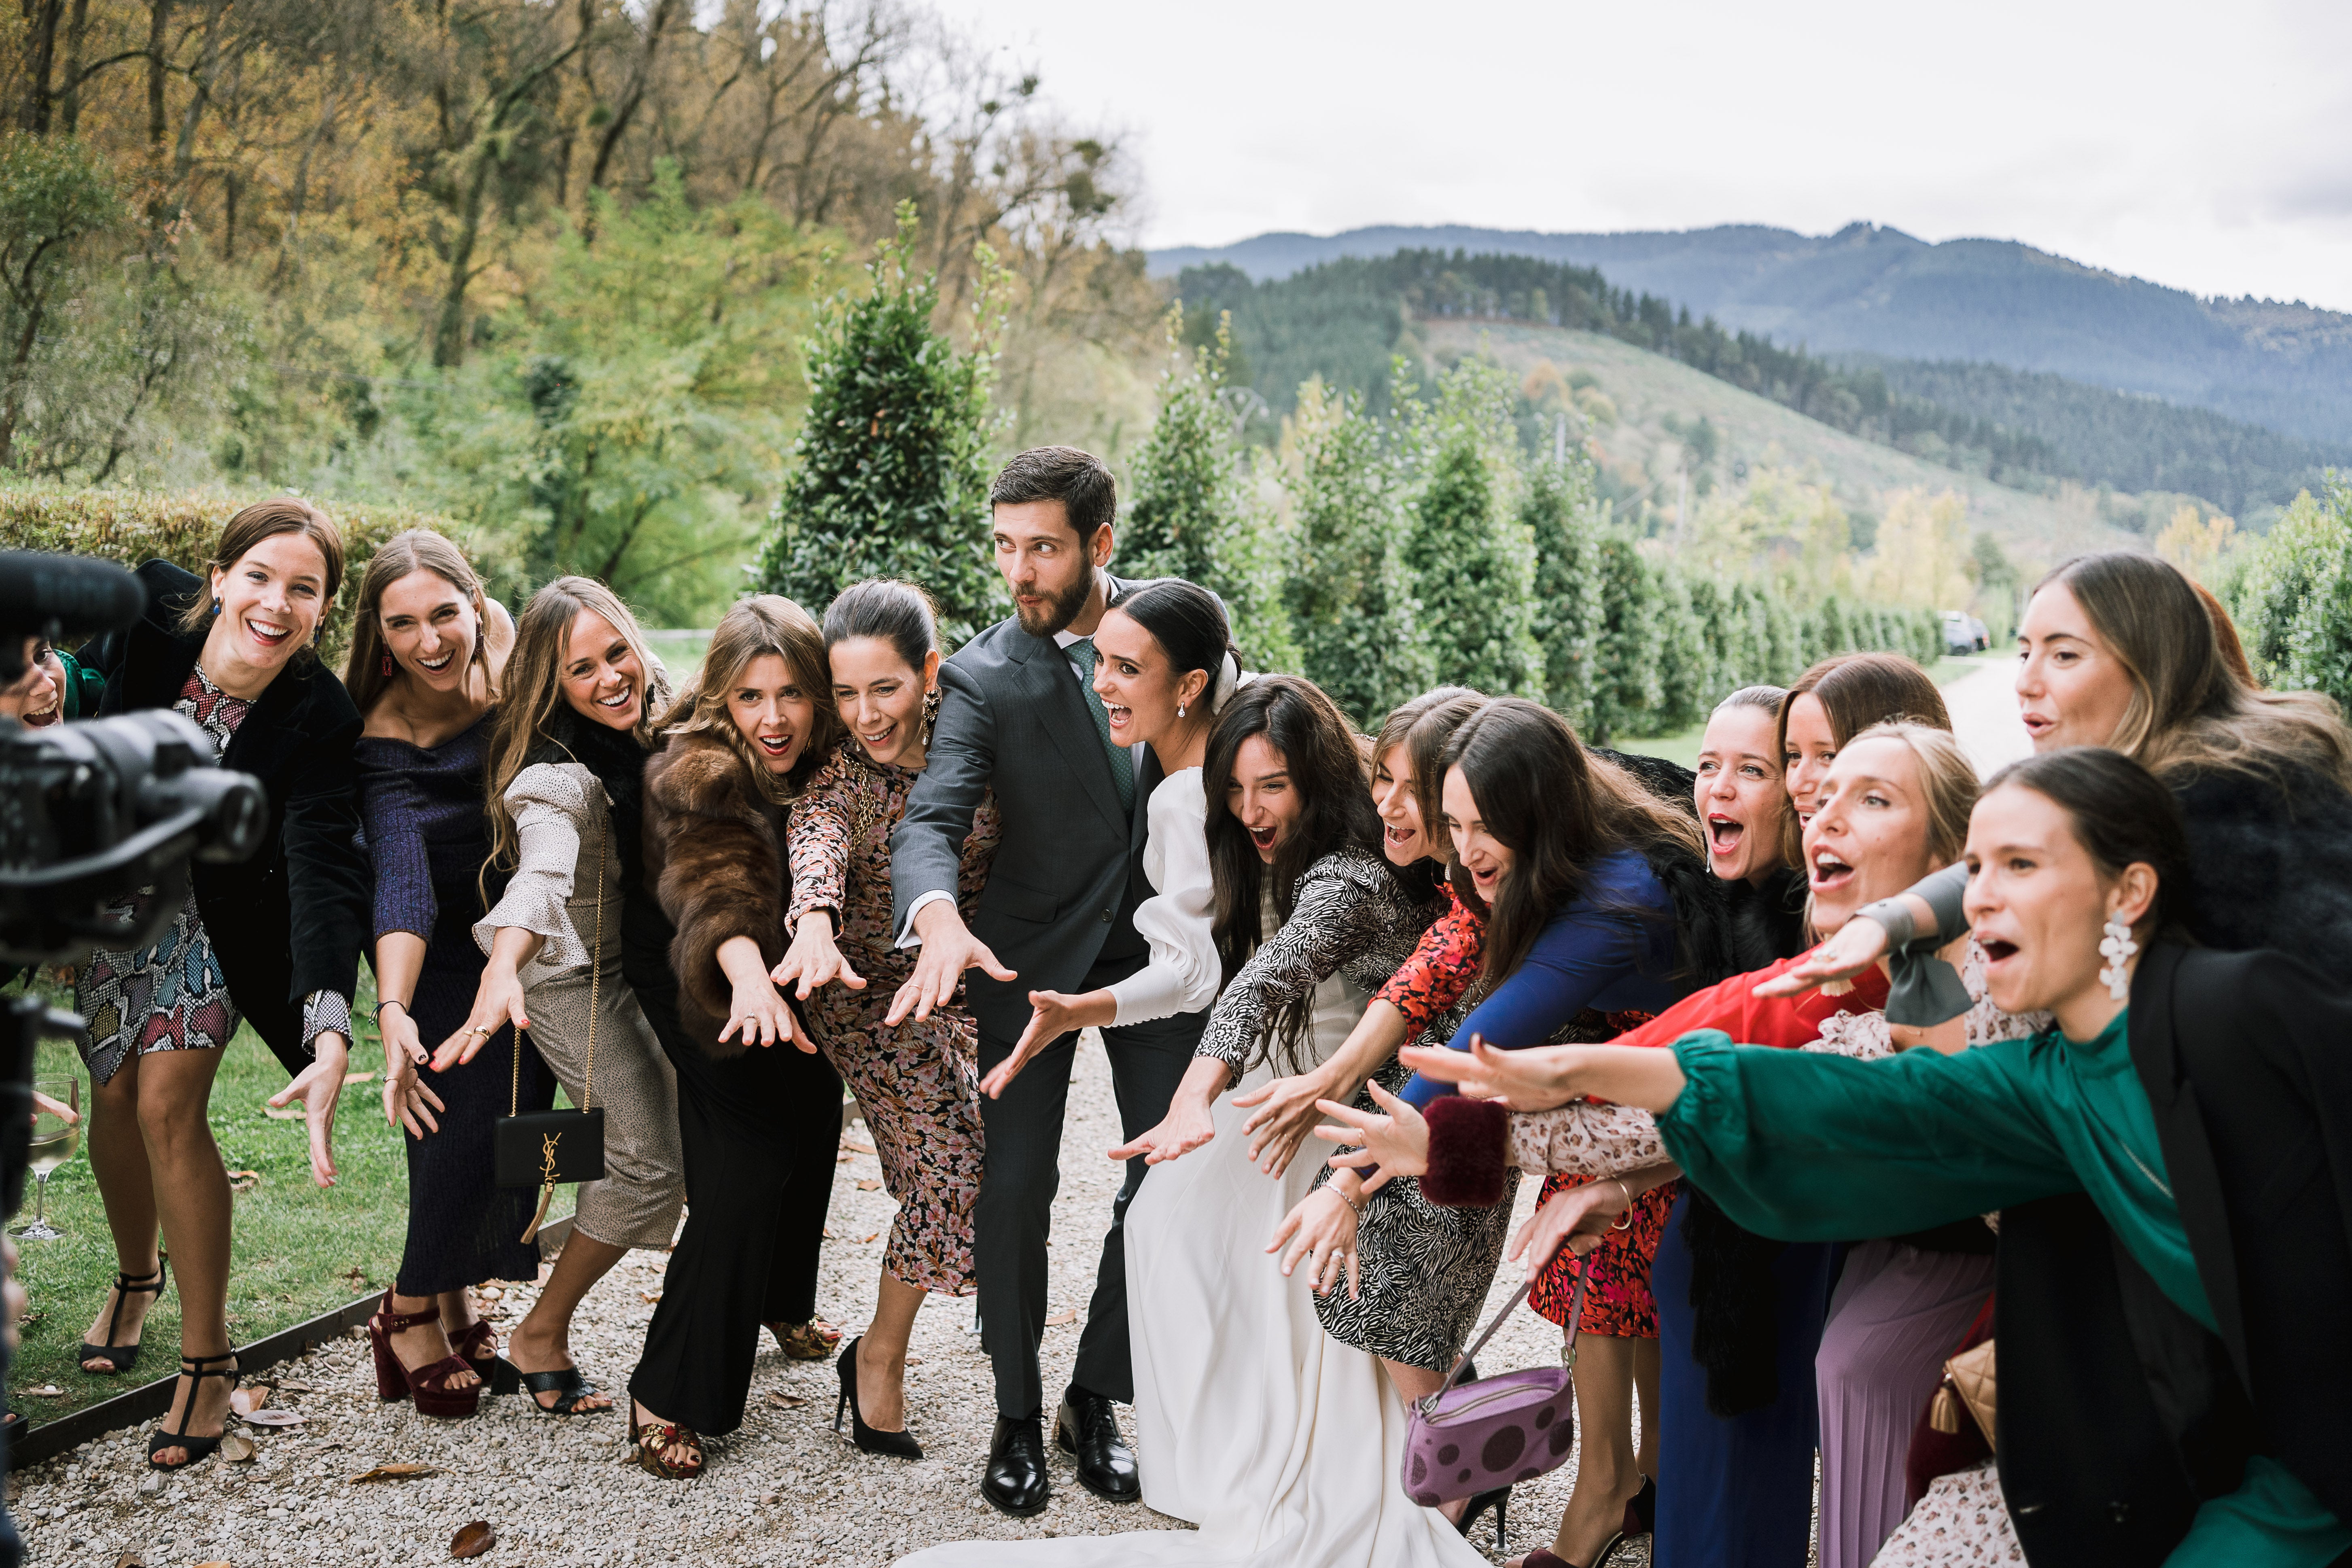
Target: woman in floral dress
[{"x": 916, "y": 1082}]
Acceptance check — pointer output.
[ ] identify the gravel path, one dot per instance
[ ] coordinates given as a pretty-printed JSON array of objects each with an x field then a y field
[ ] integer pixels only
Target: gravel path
[
  {"x": 1983, "y": 705},
  {"x": 784, "y": 1489}
]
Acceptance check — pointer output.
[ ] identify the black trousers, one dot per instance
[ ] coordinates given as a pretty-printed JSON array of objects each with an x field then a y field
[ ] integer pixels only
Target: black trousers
[
  {"x": 1019, "y": 1176},
  {"x": 759, "y": 1131}
]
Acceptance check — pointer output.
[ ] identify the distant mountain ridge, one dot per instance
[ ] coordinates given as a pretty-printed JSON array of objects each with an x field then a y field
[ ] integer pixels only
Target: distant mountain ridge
[{"x": 1877, "y": 291}]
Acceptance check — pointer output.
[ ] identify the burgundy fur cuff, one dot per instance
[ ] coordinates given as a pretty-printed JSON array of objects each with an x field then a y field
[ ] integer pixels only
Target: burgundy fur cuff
[{"x": 1466, "y": 1145}]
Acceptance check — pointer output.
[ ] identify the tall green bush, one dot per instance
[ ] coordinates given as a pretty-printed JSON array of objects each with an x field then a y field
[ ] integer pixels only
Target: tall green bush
[
  {"x": 1626, "y": 689},
  {"x": 1192, "y": 512},
  {"x": 1562, "y": 523},
  {"x": 1472, "y": 556},
  {"x": 135, "y": 526},
  {"x": 2293, "y": 595},
  {"x": 1349, "y": 596},
  {"x": 889, "y": 476}
]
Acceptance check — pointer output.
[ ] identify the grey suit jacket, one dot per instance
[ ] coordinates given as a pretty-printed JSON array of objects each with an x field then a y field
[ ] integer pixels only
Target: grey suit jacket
[{"x": 1069, "y": 870}]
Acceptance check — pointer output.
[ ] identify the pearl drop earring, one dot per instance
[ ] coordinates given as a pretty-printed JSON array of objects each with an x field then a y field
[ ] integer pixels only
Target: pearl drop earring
[{"x": 2116, "y": 947}]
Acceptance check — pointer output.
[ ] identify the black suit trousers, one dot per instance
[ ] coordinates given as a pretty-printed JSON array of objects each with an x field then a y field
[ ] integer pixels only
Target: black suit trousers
[
  {"x": 759, "y": 1131},
  {"x": 1019, "y": 1177}
]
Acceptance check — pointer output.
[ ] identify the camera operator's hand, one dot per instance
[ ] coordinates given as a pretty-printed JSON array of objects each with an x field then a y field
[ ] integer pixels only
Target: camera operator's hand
[
  {"x": 13, "y": 1299},
  {"x": 406, "y": 1101},
  {"x": 319, "y": 1087}
]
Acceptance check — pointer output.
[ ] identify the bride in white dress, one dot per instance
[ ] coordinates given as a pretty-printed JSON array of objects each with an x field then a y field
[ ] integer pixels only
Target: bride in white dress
[{"x": 1281, "y": 1444}]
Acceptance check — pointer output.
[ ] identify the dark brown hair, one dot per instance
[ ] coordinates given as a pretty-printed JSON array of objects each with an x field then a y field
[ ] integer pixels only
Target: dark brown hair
[
  {"x": 1078, "y": 480},
  {"x": 1859, "y": 690},
  {"x": 2189, "y": 713},
  {"x": 1421, "y": 727},
  {"x": 410, "y": 550},
  {"x": 900, "y": 613},
  {"x": 1318, "y": 746},
  {"x": 1558, "y": 809},
  {"x": 2120, "y": 813},
  {"x": 251, "y": 525}
]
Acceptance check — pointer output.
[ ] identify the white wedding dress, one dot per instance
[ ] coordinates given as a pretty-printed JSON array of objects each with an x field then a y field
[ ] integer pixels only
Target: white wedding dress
[{"x": 1281, "y": 1444}]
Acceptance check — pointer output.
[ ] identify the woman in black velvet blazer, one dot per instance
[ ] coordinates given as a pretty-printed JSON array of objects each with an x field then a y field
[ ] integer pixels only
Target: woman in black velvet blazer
[{"x": 274, "y": 940}]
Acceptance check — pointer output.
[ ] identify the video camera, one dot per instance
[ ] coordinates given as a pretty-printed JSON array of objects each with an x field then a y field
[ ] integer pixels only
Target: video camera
[{"x": 90, "y": 814}]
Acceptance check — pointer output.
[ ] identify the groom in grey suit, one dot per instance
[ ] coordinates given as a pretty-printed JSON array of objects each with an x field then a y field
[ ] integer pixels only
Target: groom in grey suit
[{"x": 1018, "y": 713}]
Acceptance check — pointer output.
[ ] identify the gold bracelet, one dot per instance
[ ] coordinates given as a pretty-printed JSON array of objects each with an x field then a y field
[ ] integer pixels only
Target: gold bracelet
[{"x": 1626, "y": 1220}]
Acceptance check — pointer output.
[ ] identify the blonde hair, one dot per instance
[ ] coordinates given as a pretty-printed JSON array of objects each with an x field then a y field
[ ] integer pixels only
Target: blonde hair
[
  {"x": 409, "y": 550},
  {"x": 1947, "y": 782},
  {"x": 248, "y": 527},
  {"x": 756, "y": 627},
  {"x": 2189, "y": 711},
  {"x": 533, "y": 691}
]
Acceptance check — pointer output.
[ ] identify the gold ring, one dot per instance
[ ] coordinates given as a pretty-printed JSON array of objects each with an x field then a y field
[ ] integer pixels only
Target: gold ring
[{"x": 478, "y": 1029}]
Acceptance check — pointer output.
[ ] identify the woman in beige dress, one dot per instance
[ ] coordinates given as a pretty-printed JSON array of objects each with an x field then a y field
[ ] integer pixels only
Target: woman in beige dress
[{"x": 564, "y": 776}]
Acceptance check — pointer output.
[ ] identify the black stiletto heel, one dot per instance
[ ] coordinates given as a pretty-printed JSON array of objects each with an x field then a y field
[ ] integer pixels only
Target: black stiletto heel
[
  {"x": 1499, "y": 1500},
  {"x": 869, "y": 1440},
  {"x": 123, "y": 1358}
]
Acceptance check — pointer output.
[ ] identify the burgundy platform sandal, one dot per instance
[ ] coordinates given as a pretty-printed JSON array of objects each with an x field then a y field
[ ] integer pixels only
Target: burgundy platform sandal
[{"x": 428, "y": 1385}]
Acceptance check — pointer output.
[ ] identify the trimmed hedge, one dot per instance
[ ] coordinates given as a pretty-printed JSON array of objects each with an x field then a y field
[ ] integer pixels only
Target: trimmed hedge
[{"x": 133, "y": 526}]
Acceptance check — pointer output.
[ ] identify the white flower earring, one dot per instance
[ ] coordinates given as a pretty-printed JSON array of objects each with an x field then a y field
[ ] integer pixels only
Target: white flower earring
[{"x": 2116, "y": 947}]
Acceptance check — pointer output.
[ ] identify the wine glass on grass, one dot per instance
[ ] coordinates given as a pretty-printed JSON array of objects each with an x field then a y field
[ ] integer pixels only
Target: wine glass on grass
[{"x": 56, "y": 1133}]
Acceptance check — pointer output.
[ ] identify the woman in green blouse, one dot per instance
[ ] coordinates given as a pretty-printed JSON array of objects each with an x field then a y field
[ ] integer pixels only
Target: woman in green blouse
[{"x": 2203, "y": 1131}]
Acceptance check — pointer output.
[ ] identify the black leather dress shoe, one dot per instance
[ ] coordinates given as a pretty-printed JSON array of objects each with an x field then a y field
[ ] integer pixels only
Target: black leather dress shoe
[
  {"x": 1088, "y": 1428},
  {"x": 1015, "y": 1482}
]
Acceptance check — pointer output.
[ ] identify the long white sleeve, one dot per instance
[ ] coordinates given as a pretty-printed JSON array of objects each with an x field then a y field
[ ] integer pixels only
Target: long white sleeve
[{"x": 1183, "y": 972}]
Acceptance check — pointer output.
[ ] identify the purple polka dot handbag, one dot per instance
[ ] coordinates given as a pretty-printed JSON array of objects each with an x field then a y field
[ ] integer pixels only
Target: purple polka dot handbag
[{"x": 1471, "y": 1438}]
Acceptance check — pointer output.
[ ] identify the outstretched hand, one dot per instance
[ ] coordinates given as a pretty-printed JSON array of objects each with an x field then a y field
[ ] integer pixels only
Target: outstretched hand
[
  {"x": 497, "y": 1001},
  {"x": 1395, "y": 1138},
  {"x": 1282, "y": 1113},
  {"x": 814, "y": 958},
  {"x": 1536, "y": 1078},
  {"x": 1322, "y": 1227},
  {"x": 1577, "y": 1217},
  {"x": 1846, "y": 952},
  {"x": 948, "y": 948},
  {"x": 1052, "y": 1014},
  {"x": 318, "y": 1087},
  {"x": 1186, "y": 1127}
]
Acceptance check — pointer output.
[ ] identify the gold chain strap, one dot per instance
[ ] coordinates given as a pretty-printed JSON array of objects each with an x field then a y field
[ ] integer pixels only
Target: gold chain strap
[{"x": 595, "y": 991}]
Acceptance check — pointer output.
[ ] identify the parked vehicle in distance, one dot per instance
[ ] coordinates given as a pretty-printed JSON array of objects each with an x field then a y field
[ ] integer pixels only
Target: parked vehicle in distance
[{"x": 1964, "y": 634}]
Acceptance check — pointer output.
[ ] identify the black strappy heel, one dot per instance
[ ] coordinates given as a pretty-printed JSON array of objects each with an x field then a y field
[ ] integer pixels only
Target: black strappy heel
[
  {"x": 123, "y": 1358},
  {"x": 195, "y": 1369}
]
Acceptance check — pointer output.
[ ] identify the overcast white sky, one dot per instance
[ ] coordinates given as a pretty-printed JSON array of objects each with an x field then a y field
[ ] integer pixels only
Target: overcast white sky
[{"x": 2207, "y": 146}]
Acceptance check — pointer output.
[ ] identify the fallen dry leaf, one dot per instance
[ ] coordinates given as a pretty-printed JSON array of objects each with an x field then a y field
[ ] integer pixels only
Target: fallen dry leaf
[
  {"x": 134, "y": 1558},
  {"x": 48, "y": 1391},
  {"x": 650, "y": 1295},
  {"x": 869, "y": 1236},
  {"x": 914, "y": 1361},
  {"x": 274, "y": 1417},
  {"x": 786, "y": 1401},
  {"x": 218, "y": 1562},
  {"x": 243, "y": 1181},
  {"x": 843, "y": 1159},
  {"x": 248, "y": 1399},
  {"x": 868, "y": 1184},
  {"x": 237, "y": 1448},
  {"x": 828, "y": 1233},
  {"x": 290, "y": 1387},
  {"x": 855, "y": 1147},
  {"x": 1067, "y": 1315},
  {"x": 400, "y": 1472},
  {"x": 473, "y": 1539}
]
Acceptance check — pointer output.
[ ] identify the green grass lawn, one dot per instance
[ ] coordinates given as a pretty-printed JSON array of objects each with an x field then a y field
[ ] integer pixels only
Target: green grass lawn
[
  {"x": 1684, "y": 747},
  {"x": 297, "y": 1250}
]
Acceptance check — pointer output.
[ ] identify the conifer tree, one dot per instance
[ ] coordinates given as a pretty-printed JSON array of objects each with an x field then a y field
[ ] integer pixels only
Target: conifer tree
[
  {"x": 889, "y": 476},
  {"x": 1625, "y": 688},
  {"x": 1349, "y": 597},
  {"x": 1472, "y": 555},
  {"x": 1193, "y": 514},
  {"x": 1563, "y": 521}
]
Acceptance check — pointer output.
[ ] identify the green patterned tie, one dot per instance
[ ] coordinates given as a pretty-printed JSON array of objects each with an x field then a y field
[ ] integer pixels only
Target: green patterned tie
[{"x": 1122, "y": 765}]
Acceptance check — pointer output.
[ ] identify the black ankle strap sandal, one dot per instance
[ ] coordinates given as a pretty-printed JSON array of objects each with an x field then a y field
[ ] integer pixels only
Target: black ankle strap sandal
[
  {"x": 123, "y": 1358},
  {"x": 195, "y": 1369}
]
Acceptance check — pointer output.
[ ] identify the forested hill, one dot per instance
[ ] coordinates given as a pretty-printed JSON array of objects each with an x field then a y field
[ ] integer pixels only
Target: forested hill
[
  {"x": 1878, "y": 291},
  {"x": 1344, "y": 319}
]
